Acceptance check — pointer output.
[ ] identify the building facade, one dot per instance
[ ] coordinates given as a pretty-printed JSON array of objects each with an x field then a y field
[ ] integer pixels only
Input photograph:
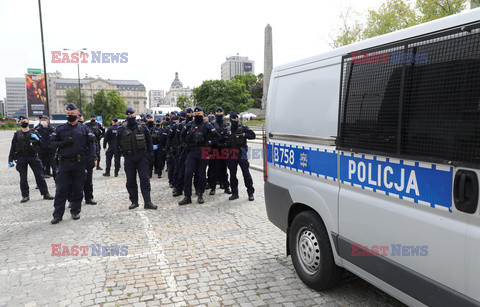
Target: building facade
[
  {"x": 133, "y": 91},
  {"x": 237, "y": 65},
  {"x": 16, "y": 100},
  {"x": 156, "y": 98},
  {"x": 176, "y": 90}
]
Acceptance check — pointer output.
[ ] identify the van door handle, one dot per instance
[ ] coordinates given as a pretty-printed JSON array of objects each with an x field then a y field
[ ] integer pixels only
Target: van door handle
[{"x": 465, "y": 191}]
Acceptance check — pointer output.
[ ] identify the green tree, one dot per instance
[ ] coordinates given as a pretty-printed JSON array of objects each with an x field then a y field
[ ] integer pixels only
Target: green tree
[
  {"x": 350, "y": 30},
  {"x": 434, "y": 9},
  {"x": 72, "y": 97},
  {"x": 249, "y": 79},
  {"x": 230, "y": 95},
  {"x": 392, "y": 15},
  {"x": 108, "y": 104},
  {"x": 1, "y": 117},
  {"x": 256, "y": 91},
  {"x": 184, "y": 102},
  {"x": 474, "y": 4}
]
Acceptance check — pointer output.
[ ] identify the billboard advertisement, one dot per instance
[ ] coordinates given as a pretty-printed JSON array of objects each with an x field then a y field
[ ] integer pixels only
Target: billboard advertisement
[
  {"x": 36, "y": 95},
  {"x": 247, "y": 67}
]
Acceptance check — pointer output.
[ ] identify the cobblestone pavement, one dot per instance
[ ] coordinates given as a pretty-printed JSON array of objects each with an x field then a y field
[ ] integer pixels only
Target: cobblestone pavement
[{"x": 219, "y": 253}]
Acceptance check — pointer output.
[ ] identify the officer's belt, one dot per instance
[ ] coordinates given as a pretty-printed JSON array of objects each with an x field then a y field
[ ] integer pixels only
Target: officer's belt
[{"x": 78, "y": 158}]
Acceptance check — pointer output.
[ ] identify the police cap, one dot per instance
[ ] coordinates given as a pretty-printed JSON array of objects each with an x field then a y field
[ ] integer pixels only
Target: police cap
[
  {"x": 129, "y": 111},
  {"x": 71, "y": 107}
]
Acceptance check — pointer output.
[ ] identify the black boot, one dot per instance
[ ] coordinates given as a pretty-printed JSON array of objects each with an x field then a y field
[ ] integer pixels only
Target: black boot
[
  {"x": 48, "y": 196},
  {"x": 159, "y": 175},
  {"x": 25, "y": 199},
  {"x": 116, "y": 173},
  {"x": 56, "y": 219},
  {"x": 250, "y": 197},
  {"x": 90, "y": 202},
  {"x": 227, "y": 190},
  {"x": 149, "y": 205},
  {"x": 207, "y": 186},
  {"x": 99, "y": 168},
  {"x": 234, "y": 196},
  {"x": 212, "y": 191},
  {"x": 177, "y": 193},
  {"x": 75, "y": 216},
  {"x": 187, "y": 200},
  {"x": 106, "y": 174},
  {"x": 200, "y": 199},
  {"x": 133, "y": 206}
]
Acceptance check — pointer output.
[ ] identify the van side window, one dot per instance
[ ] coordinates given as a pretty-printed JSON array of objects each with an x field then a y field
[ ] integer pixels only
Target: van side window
[{"x": 427, "y": 106}]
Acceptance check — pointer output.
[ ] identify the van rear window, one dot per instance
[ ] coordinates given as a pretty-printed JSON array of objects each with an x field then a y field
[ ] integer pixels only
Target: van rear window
[{"x": 418, "y": 100}]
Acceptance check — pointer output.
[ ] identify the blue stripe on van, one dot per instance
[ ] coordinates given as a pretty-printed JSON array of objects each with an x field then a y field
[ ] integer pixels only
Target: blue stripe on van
[{"x": 421, "y": 183}]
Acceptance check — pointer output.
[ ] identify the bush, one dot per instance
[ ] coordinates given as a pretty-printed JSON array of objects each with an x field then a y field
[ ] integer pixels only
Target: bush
[{"x": 8, "y": 125}]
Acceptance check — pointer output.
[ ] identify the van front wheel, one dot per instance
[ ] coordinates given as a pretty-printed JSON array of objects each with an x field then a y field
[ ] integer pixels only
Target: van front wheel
[{"x": 312, "y": 253}]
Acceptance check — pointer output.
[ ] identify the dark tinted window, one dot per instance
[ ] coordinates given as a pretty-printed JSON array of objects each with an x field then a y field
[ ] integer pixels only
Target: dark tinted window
[{"x": 435, "y": 99}]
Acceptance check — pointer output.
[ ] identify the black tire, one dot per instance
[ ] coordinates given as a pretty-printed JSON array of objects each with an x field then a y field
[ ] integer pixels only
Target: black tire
[{"x": 316, "y": 266}]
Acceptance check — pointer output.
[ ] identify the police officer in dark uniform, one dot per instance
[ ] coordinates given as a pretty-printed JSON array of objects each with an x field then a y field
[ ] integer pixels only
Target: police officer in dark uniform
[
  {"x": 45, "y": 153},
  {"x": 236, "y": 136},
  {"x": 110, "y": 139},
  {"x": 99, "y": 132},
  {"x": 75, "y": 145},
  {"x": 24, "y": 150},
  {"x": 167, "y": 126},
  {"x": 219, "y": 166},
  {"x": 196, "y": 134},
  {"x": 135, "y": 143},
  {"x": 172, "y": 146},
  {"x": 173, "y": 142},
  {"x": 157, "y": 137}
]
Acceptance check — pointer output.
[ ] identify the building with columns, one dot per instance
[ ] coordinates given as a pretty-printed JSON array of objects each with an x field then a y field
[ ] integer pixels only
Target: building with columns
[{"x": 133, "y": 91}]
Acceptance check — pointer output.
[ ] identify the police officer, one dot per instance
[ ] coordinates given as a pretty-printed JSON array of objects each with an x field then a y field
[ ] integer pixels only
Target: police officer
[
  {"x": 99, "y": 132},
  {"x": 169, "y": 159},
  {"x": 45, "y": 153},
  {"x": 196, "y": 134},
  {"x": 135, "y": 144},
  {"x": 219, "y": 166},
  {"x": 172, "y": 146},
  {"x": 75, "y": 144},
  {"x": 110, "y": 139},
  {"x": 173, "y": 141},
  {"x": 24, "y": 150},
  {"x": 157, "y": 140},
  {"x": 236, "y": 140}
]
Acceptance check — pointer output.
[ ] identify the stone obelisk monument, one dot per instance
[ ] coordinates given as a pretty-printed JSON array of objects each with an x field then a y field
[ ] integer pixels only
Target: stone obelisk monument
[{"x": 267, "y": 64}]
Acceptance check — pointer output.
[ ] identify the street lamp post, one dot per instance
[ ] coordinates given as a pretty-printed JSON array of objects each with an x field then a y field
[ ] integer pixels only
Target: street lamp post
[{"x": 78, "y": 69}]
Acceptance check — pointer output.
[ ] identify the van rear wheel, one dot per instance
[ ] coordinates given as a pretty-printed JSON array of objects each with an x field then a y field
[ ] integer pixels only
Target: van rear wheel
[{"x": 312, "y": 253}]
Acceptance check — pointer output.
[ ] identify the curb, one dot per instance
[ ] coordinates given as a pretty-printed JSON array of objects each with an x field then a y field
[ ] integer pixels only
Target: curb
[{"x": 256, "y": 168}]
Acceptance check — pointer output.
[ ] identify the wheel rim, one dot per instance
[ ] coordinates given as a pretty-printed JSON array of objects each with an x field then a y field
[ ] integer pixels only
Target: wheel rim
[{"x": 308, "y": 251}]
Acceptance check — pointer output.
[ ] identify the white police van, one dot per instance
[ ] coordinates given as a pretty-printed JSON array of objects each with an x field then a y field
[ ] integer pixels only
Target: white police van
[{"x": 378, "y": 173}]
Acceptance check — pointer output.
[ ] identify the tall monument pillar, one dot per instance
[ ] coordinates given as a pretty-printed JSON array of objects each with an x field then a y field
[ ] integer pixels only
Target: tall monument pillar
[{"x": 267, "y": 64}]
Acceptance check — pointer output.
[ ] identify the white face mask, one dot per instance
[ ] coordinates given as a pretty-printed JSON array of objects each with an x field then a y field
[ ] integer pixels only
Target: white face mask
[{"x": 44, "y": 123}]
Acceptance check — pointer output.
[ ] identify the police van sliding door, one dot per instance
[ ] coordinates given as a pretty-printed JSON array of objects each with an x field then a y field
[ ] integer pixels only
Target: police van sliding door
[{"x": 409, "y": 158}]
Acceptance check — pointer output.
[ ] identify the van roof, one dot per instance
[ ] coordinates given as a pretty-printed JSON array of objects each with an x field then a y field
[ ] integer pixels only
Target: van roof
[{"x": 445, "y": 23}]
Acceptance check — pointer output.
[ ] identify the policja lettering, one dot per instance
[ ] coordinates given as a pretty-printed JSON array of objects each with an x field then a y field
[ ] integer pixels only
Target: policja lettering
[{"x": 381, "y": 177}]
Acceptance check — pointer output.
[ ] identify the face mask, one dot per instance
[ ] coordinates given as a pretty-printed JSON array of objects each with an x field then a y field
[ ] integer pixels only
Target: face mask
[
  {"x": 72, "y": 118},
  {"x": 189, "y": 118},
  {"x": 44, "y": 123},
  {"x": 234, "y": 124},
  {"x": 131, "y": 121},
  {"x": 198, "y": 119},
  {"x": 150, "y": 124},
  {"x": 219, "y": 118},
  {"x": 24, "y": 125},
  {"x": 92, "y": 121}
]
